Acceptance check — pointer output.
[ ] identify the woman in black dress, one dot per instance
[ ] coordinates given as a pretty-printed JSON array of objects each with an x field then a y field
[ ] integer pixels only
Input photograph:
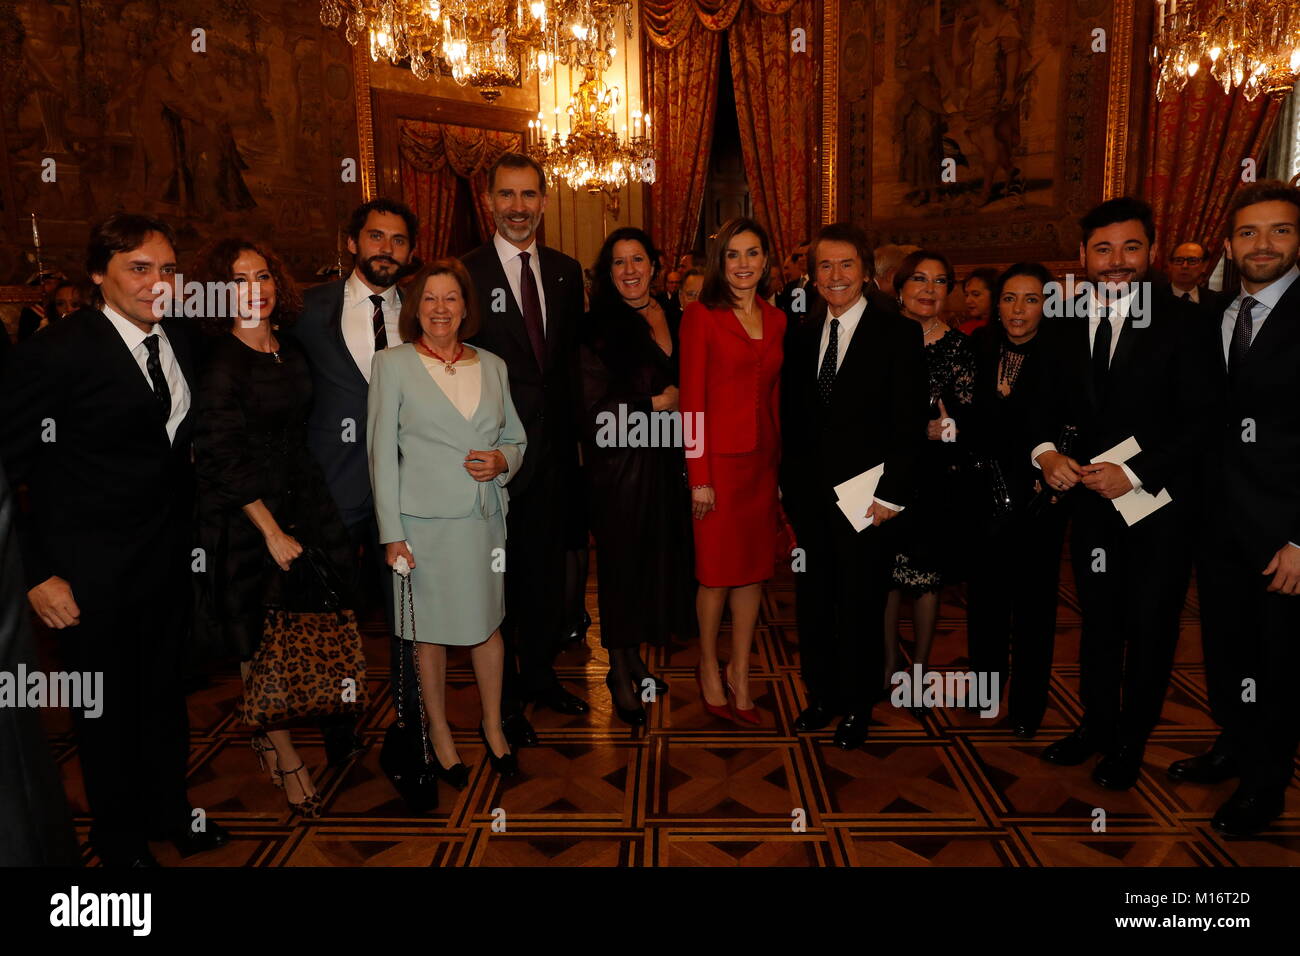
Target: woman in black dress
[
  {"x": 261, "y": 496},
  {"x": 1011, "y": 599},
  {"x": 638, "y": 499},
  {"x": 928, "y": 534}
]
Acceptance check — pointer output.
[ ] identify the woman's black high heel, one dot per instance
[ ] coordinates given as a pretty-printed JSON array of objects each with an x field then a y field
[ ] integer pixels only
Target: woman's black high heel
[
  {"x": 507, "y": 766},
  {"x": 634, "y": 717},
  {"x": 457, "y": 775}
]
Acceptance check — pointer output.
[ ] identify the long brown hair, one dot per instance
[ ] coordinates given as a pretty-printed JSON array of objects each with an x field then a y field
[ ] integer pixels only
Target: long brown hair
[
  {"x": 408, "y": 324},
  {"x": 716, "y": 293}
]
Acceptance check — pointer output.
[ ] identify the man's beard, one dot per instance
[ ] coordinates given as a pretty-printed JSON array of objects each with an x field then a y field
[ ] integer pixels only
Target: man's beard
[
  {"x": 374, "y": 277},
  {"x": 1266, "y": 271},
  {"x": 517, "y": 232}
]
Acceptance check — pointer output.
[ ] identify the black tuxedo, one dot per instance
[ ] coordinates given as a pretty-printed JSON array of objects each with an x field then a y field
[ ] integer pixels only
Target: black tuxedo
[
  {"x": 1253, "y": 496},
  {"x": 1132, "y": 581},
  {"x": 546, "y": 517},
  {"x": 877, "y": 413},
  {"x": 111, "y": 508}
]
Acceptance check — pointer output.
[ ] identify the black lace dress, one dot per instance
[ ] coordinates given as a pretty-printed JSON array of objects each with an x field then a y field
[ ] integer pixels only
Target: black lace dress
[{"x": 931, "y": 534}]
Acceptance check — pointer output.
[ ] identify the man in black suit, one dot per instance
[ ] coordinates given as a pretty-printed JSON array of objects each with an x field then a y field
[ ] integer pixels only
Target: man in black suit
[
  {"x": 854, "y": 394},
  {"x": 531, "y": 303},
  {"x": 95, "y": 416},
  {"x": 1186, "y": 272},
  {"x": 343, "y": 324},
  {"x": 1127, "y": 367},
  {"x": 1248, "y": 572}
]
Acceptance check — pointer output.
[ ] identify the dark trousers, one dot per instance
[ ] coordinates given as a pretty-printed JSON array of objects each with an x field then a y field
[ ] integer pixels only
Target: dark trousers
[
  {"x": 1250, "y": 633},
  {"x": 134, "y": 754},
  {"x": 840, "y": 603},
  {"x": 375, "y": 583},
  {"x": 1132, "y": 583},
  {"x": 1011, "y": 607},
  {"x": 536, "y": 548}
]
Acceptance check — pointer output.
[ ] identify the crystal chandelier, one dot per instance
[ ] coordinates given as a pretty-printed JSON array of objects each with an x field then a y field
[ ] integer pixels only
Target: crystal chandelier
[
  {"x": 594, "y": 154},
  {"x": 486, "y": 44},
  {"x": 1250, "y": 44}
]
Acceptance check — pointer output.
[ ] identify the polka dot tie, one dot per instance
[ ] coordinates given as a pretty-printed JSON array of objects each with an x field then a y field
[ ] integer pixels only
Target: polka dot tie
[
  {"x": 826, "y": 376},
  {"x": 1241, "y": 333}
]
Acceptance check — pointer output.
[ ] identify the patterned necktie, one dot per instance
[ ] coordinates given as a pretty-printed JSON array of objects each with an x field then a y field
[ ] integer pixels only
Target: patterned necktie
[
  {"x": 830, "y": 362},
  {"x": 154, "y": 366},
  {"x": 381, "y": 336},
  {"x": 1101, "y": 355},
  {"x": 532, "y": 306},
  {"x": 1241, "y": 333}
]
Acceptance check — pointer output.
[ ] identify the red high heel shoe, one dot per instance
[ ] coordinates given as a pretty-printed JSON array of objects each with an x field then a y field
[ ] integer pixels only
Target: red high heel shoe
[
  {"x": 721, "y": 711},
  {"x": 740, "y": 716}
]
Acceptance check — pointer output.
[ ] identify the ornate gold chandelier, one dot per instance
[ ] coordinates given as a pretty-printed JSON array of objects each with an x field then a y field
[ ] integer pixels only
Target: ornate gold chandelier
[
  {"x": 594, "y": 154},
  {"x": 485, "y": 44},
  {"x": 1250, "y": 44}
]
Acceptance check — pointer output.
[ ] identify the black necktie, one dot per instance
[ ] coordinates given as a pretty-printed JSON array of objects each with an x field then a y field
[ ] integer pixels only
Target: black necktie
[
  {"x": 532, "y": 308},
  {"x": 154, "y": 366},
  {"x": 1186, "y": 297},
  {"x": 826, "y": 375},
  {"x": 1101, "y": 355},
  {"x": 381, "y": 337},
  {"x": 1241, "y": 333}
]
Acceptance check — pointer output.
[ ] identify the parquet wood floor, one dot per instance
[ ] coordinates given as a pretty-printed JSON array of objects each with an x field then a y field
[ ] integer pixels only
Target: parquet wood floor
[{"x": 952, "y": 789}]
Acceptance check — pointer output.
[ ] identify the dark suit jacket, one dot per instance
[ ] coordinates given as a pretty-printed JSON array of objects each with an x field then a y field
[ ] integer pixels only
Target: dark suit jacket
[
  {"x": 111, "y": 500},
  {"x": 879, "y": 407},
  {"x": 1254, "y": 485},
  {"x": 1155, "y": 391},
  {"x": 547, "y": 398},
  {"x": 339, "y": 394}
]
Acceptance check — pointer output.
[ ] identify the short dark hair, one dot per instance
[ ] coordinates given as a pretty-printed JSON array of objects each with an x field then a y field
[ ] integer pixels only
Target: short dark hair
[
  {"x": 1266, "y": 190},
  {"x": 1119, "y": 209},
  {"x": 692, "y": 271},
  {"x": 408, "y": 323},
  {"x": 603, "y": 292},
  {"x": 121, "y": 232},
  {"x": 357, "y": 221},
  {"x": 516, "y": 161},
  {"x": 914, "y": 259},
  {"x": 215, "y": 262},
  {"x": 716, "y": 294},
  {"x": 845, "y": 232},
  {"x": 1035, "y": 270}
]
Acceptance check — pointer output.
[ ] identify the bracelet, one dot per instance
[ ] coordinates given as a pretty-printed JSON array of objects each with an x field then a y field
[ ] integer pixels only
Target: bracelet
[{"x": 693, "y": 487}]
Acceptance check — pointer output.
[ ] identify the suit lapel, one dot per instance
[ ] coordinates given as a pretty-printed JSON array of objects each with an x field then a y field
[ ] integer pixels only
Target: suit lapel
[
  {"x": 1281, "y": 322},
  {"x": 553, "y": 296},
  {"x": 126, "y": 370},
  {"x": 513, "y": 317},
  {"x": 336, "y": 332}
]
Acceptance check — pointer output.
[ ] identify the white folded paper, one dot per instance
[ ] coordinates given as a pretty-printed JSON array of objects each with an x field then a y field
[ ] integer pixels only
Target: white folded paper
[
  {"x": 856, "y": 495},
  {"x": 1134, "y": 505}
]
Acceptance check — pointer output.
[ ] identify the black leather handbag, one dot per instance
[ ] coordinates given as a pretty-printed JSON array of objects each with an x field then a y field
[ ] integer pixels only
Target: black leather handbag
[{"x": 404, "y": 757}]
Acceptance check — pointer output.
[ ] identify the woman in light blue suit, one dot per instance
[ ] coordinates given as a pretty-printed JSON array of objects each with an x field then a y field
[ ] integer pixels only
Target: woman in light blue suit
[{"x": 444, "y": 439}]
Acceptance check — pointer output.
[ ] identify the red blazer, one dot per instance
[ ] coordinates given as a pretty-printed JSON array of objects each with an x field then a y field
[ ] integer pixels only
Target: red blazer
[{"x": 730, "y": 378}]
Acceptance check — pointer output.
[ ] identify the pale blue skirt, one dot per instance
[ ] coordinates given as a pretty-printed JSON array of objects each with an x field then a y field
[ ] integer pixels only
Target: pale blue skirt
[{"x": 458, "y": 581}]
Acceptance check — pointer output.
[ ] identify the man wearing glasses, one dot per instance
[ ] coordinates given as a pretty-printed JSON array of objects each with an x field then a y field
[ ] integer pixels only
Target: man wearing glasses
[{"x": 1186, "y": 269}]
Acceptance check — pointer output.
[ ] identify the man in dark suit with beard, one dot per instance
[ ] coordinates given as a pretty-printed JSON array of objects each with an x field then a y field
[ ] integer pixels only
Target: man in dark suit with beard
[
  {"x": 1248, "y": 570},
  {"x": 531, "y": 303},
  {"x": 1129, "y": 366},
  {"x": 95, "y": 416},
  {"x": 854, "y": 394},
  {"x": 343, "y": 324}
]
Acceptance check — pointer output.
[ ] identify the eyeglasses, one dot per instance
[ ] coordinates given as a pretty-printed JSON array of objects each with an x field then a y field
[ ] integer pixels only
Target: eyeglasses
[{"x": 1186, "y": 260}]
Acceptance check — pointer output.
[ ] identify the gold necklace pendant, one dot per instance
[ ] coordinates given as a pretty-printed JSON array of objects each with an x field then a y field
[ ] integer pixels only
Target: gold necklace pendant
[{"x": 449, "y": 369}]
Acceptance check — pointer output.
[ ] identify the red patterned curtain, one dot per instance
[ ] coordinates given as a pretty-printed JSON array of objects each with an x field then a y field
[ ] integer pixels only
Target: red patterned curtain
[
  {"x": 773, "y": 90},
  {"x": 431, "y": 157},
  {"x": 1199, "y": 138},
  {"x": 774, "y": 96}
]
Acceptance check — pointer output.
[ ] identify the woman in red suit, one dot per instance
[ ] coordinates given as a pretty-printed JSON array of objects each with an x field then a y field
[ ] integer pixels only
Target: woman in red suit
[{"x": 730, "y": 372}]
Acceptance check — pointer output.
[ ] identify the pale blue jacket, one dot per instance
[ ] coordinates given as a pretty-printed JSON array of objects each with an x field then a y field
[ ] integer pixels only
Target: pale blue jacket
[{"x": 417, "y": 442}]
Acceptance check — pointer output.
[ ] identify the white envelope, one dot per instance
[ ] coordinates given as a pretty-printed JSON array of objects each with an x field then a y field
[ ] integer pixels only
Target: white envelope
[
  {"x": 856, "y": 495},
  {"x": 1135, "y": 505}
]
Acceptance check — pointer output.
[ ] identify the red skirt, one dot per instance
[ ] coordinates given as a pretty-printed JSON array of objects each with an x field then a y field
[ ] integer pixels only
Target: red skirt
[{"x": 736, "y": 542}]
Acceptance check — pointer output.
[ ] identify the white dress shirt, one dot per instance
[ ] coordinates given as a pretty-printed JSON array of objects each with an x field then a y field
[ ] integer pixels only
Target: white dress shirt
[
  {"x": 512, "y": 265},
  {"x": 176, "y": 384},
  {"x": 1117, "y": 313},
  {"x": 1193, "y": 294},
  {"x": 358, "y": 321},
  {"x": 843, "y": 336},
  {"x": 1266, "y": 299}
]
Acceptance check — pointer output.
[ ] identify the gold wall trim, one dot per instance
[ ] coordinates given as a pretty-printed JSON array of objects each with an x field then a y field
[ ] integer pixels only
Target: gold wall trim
[
  {"x": 365, "y": 122},
  {"x": 1114, "y": 181},
  {"x": 830, "y": 139}
]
